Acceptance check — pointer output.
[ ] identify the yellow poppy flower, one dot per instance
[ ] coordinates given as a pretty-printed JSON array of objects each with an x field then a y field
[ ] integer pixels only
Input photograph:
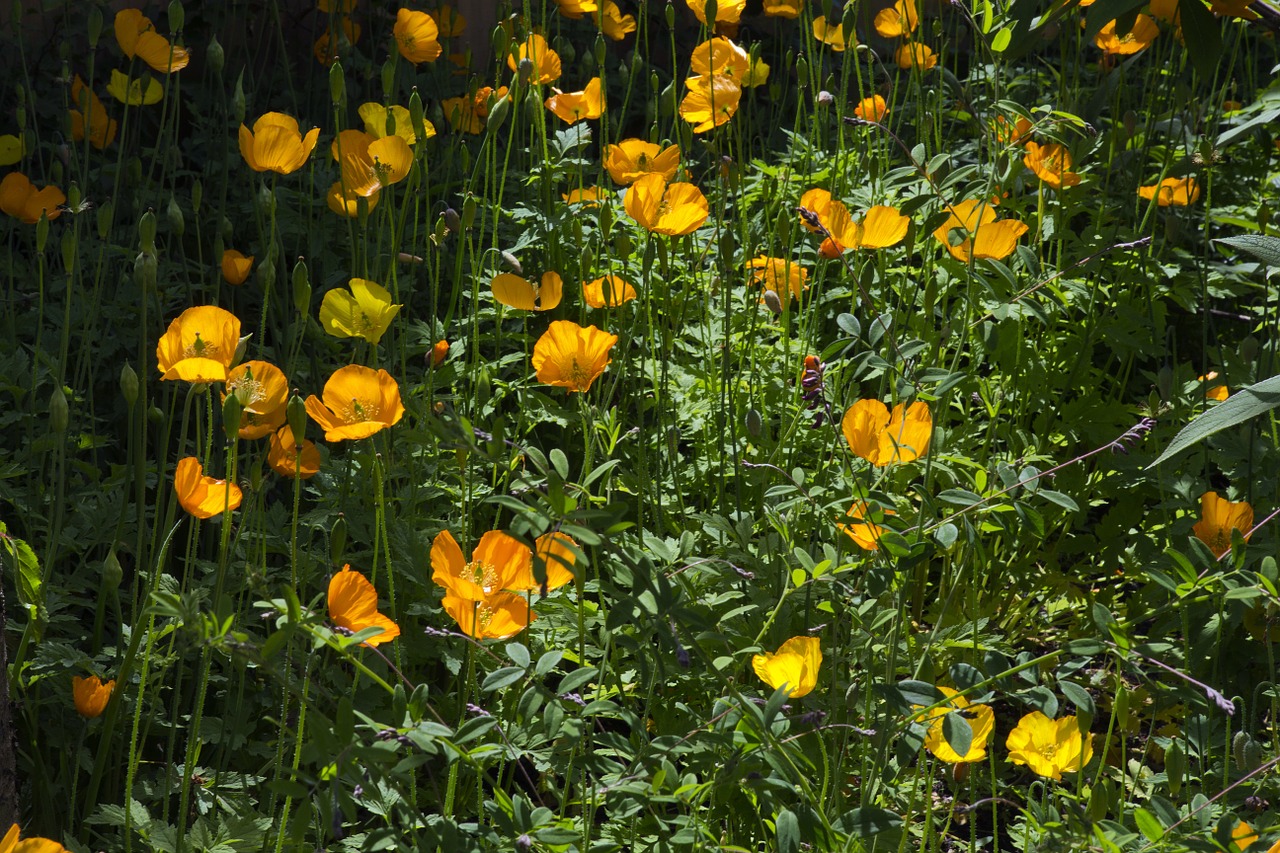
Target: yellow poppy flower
[
  {"x": 555, "y": 550},
  {"x": 1172, "y": 192},
  {"x": 727, "y": 11},
  {"x": 1052, "y": 164},
  {"x": 575, "y": 9},
  {"x": 376, "y": 119},
  {"x": 91, "y": 695},
  {"x": 1218, "y": 517},
  {"x": 138, "y": 38},
  {"x": 608, "y": 291},
  {"x": 783, "y": 8},
  {"x": 362, "y": 310},
  {"x": 871, "y": 109},
  {"x": 1049, "y": 747},
  {"x": 900, "y": 19},
  {"x": 500, "y": 562},
  {"x": 353, "y": 605},
  {"x": 199, "y": 345},
  {"x": 978, "y": 233},
  {"x": 130, "y": 92},
  {"x": 450, "y": 23},
  {"x": 783, "y": 276},
  {"x": 794, "y": 665},
  {"x": 236, "y": 266},
  {"x": 865, "y": 534},
  {"x": 588, "y": 196},
  {"x": 1011, "y": 133},
  {"x": 516, "y": 292},
  {"x": 820, "y": 203},
  {"x": 613, "y": 23},
  {"x": 20, "y": 199},
  {"x": 11, "y": 844},
  {"x": 276, "y": 144},
  {"x": 671, "y": 209},
  {"x": 102, "y": 130},
  {"x": 417, "y": 36},
  {"x": 720, "y": 56},
  {"x": 282, "y": 455},
  {"x": 830, "y": 35},
  {"x": 12, "y": 148},
  {"x": 883, "y": 439},
  {"x": 546, "y": 62},
  {"x": 201, "y": 496},
  {"x": 263, "y": 391},
  {"x": 348, "y": 204},
  {"x": 981, "y": 720},
  {"x": 1243, "y": 836},
  {"x": 634, "y": 158},
  {"x": 1141, "y": 34},
  {"x": 880, "y": 228},
  {"x": 915, "y": 55},
  {"x": 358, "y": 402},
  {"x": 370, "y": 164},
  {"x": 569, "y": 356},
  {"x": 710, "y": 102},
  {"x": 575, "y": 106},
  {"x": 497, "y": 617}
]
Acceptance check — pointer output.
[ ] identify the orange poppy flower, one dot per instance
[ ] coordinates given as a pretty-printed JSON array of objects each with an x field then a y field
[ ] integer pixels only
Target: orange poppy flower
[
  {"x": 589, "y": 196},
  {"x": 353, "y": 605},
  {"x": 497, "y": 617},
  {"x": 900, "y": 19},
  {"x": 546, "y": 62},
  {"x": 1217, "y": 393},
  {"x": 199, "y": 345},
  {"x": 1140, "y": 36},
  {"x": 783, "y": 276},
  {"x": 439, "y": 352},
  {"x": 201, "y": 496},
  {"x": 380, "y": 121},
  {"x": 871, "y": 109},
  {"x": 275, "y": 144},
  {"x": 358, "y": 402},
  {"x": 20, "y": 199},
  {"x": 830, "y": 35},
  {"x": 613, "y": 23},
  {"x": 783, "y": 8},
  {"x": 348, "y": 204},
  {"x": 138, "y": 38},
  {"x": 500, "y": 562},
  {"x": 329, "y": 46},
  {"x": 727, "y": 11},
  {"x": 516, "y": 292},
  {"x": 102, "y": 130},
  {"x": 575, "y": 9},
  {"x": 720, "y": 56},
  {"x": 468, "y": 114},
  {"x": 915, "y": 55},
  {"x": 1172, "y": 192},
  {"x": 710, "y": 102},
  {"x": 555, "y": 550},
  {"x": 263, "y": 391},
  {"x": 880, "y": 228},
  {"x": 370, "y": 164},
  {"x": 1011, "y": 133},
  {"x": 10, "y": 844},
  {"x": 1052, "y": 164},
  {"x": 449, "y": 22},
  {"x": 978, "y": 233},
  {"x": 569, "y": 356},
  {"x": 575, "y": 106},
  {"x": 820, "y": 203},
  {"x": 608, "y": 291},
  {"x": 671, "y": 209},
  {"x": 236, "y": 266},
  {"x": 631, "y": 159},
  {"x": 1218, "y": 517},
  {"x": 865, "y": 534},
  {"x": 417, "y": 36},
  {"x": 91, "y": 695},
  {"x": 883, "y": 439},
  {"x": 283, "y": 455}
]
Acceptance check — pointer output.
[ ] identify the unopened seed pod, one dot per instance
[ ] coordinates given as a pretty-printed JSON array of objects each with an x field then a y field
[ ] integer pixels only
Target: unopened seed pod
[
  {"x": 232, "y": 410},
  {"x": 94, "y": 25},
  {"x": 147, "y": 232},
  {"x": 301, "y": 287},
  {"x": 104, "y": 219},
  {"x": 1175, "y": 765},
  {"x": 177, "y": 223},
  {"x": 58, "y": 411},
  {"x": 112, "y": 571},
  {"x": 468, "y": 211},
  {"x": 338, "y": 539},
  {"x": 197, "y": 196},
  {"x": 144, "y": 271},
  {"x": 215, "y": 55},
  {"x": 295, "y": 414},
  {"x": 69, "y": 250},
  {"x": 177, "y": 16},
  {"x": 671, "y": 15},
  {"x": 754, "y": 422},
  {"x": 129, "y": 384}
]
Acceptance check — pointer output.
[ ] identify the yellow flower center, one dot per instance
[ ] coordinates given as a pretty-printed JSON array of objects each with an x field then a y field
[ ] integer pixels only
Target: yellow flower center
[
  {"x": 482, "y": 574},
  {"x": 360, "y": 411},
  {"x": 200, "y": 348},
  {"x": 579, "y": 375},
  {"x": 248, "y": 390}
]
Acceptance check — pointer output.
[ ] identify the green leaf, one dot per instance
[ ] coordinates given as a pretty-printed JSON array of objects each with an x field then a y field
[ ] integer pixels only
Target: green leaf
[
  {"x": 788, "y": 829},
  {"x": 502, "y": 677},
  {"x": 1202, "y": 34},
  {"x": 519, "y": 655},
  {"x": 28, "y": 580},
  {"x": 868, "y": 821},
  {"x": 957, "y": 732},
  {"x": 1148, "y": 824},
  {"x": 576, "y": 679},
  {"x": 1078, "y": 696},
  {"x": 946, "y": 535},
  {"x": 919, "y": 692},
  {"x": 1265, "y": 249},
  {"x": 1248, "y": 402}
]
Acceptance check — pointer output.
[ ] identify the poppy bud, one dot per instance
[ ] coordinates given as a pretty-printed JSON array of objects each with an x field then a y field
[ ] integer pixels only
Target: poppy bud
[
  {"x": 755, "y": 423},
  {"x": 452, "y": 221},
  {"x": 337, "y": 84},
  {"x": 144, "y": 271},
  {"x": 237, "y": 99},
  {"x": 439, "y": 353},
  {"x": 482, "y": 389},
  {"x": 232, "y": 409},
  {"x": 58, "y": 411},
  {"x": 671, "y": 15},
  {"x": 712, "y": 9},
  {"x": 849, "y": 23},
  {"x": 104, "y": 219},
  {"x": 295, "y": 414},
  {"x": 802, "y": 72},
  {"x": 654, "y": 82},
  {"x": 524, "y": 70},
  {"x": 241, "y": 346},
  {"x": 129, "y": 384},
  {"x": 155, "y": 416},
  {"x": 388, "y": 77},
  {"x": 1175, "y": 765},
  {"x": 600, "y": 49},
  {"x": 95, "y": 26},
  {"x": 512, "y": 262},
  {"x": 68, "y": 250},
  {"x": 415, "y": 115},
  {"x": 197, "y": 196},
  {"x": 177, "y": 224},
  {"x": 147, "y": 232},
  {"x": 177, "y": 16},
  {"x": 216, "y": 56},
  {"x": 338, "y": 539},
  {"x": 266, "y": 200},
  {"x": 622, "y": 245},
  {"x": 606, "y": 221},
  {"x": 468, "y": 211},
  {"x": 112, "y": 571},
  {"x": 825, "y": 98},
  {"x": 773, "y": 302},
  {"x": 438, "y": 408},
  {"x": 500, "y": 40},
  {"x": 301, "y": 287},
  {"x": 255, "y": 476},
  {"x": 406, "y": 258}
]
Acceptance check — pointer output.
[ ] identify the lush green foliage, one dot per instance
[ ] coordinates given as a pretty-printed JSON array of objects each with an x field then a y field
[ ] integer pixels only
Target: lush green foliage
[{"x": 979, "y": 548}]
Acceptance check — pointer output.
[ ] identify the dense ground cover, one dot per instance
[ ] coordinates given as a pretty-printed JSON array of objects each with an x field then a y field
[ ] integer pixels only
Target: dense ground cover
[{"x": 639, "y": 426}]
